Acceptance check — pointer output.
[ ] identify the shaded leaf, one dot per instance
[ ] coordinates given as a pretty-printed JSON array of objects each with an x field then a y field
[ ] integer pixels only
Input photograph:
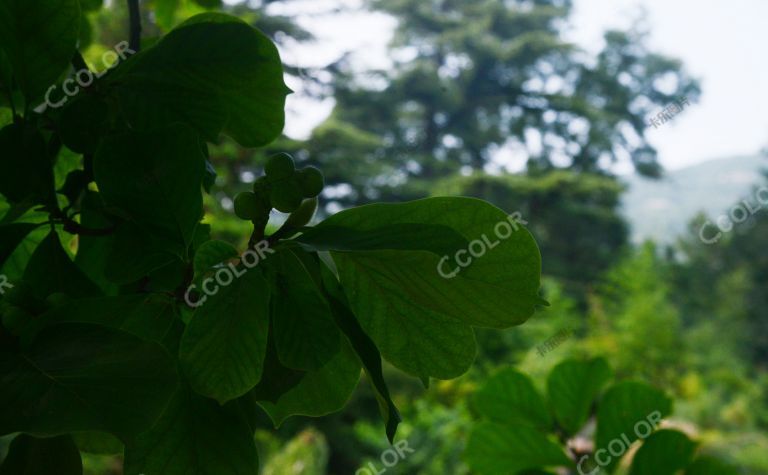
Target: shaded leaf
[
  {"x": 572, "y": 387},
  {"x": 28, "y": 455}
]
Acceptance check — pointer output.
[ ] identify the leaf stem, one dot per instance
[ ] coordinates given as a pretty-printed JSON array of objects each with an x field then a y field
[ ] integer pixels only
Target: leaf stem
[{"x": 134, "y": 15}]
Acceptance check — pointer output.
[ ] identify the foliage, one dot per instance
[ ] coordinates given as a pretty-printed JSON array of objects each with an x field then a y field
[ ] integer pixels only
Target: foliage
[
  {"x": 525, "y": 432},
  {"x": 125, "y": 318}
]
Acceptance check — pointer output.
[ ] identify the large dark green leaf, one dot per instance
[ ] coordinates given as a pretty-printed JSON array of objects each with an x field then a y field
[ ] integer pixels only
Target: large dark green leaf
[
  {"x": 224, "y": 346},
  {"x": 627, "y": 412},
  {"x": 495, "y": 449},
  {"x": 77, "y": 377},
  {"x": 509, "y": 397},
  {"x": 214, "y": 72},
  {"x": 306, "y": 336},
  {"x": 38, "y": 40},
  {"x": 708, "y": 465},
  {"x": 155, "y": 180},
  {"x": 572, "y": 387},
  {"x": 407, "y": 296},
  {"x": 195, "y": 436},
  {"x": 665, "y": 452},
  {"x": 50, "y": 270},
  {"x": 28, "y": 455},
  {"x": 25, "y": 168}
]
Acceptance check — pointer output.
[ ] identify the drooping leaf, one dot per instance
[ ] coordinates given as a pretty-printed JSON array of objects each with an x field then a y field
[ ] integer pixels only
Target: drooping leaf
[
  {"x": 155, "y": 180},
  {"x": 38, "y": 40},
  {"x": 195, "y": 75},
  {"x": 422, "y": 318},
  {"x": 494, "y": 449},
  {"x": 28, "y": 455},
  {"x": 224, "y": 346},
  {"x": 306, "y": 336},
  {"x": 80, "y": 377},
  {"x": 572, "y": 387},
  {"x": 665, "y": 452},
  {"x": 194, "y": 436},
  {"x": 629, "y": 411},
  {"x": 509, "y": 397}
]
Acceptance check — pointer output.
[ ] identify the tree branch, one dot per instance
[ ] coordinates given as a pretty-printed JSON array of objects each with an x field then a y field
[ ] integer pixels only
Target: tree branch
[{"x": 134, "y": 15}]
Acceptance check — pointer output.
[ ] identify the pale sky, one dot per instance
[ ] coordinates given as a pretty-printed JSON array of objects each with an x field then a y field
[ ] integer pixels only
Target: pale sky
[{"x": 720, "y": 42}]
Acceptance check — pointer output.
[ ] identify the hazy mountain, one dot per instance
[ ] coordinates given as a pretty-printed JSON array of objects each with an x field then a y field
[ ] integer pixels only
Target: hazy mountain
[{"x": 661, "y": 209}]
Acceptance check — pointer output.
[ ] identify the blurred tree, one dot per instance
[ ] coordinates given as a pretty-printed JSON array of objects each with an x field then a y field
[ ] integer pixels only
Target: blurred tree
[{"x": 472, "y": 78}]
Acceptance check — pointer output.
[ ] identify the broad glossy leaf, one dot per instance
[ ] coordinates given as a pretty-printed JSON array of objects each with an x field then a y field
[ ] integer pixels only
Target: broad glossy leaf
[
  {"x": 38, "y": 39},
  {"x": 629, "y": 409},
  {"x": 509, "y": 397},
  {"x": 28, "y": 455},
  {"x": 495, "y": 449},
  {"x": 80, "y": 377},
  {"x": 306, "y": 336},
  {"x": 50, "y": 270},
  {"x": 224, "y": 346},
  {"x": 155, "y": 180},
  {"x": 10, "y": 236},
  {"x": 195, "y": 436},
  {"x": 211, "y": 254},
  {"x": 422, "y": 320},
  {"x": 572, "y": 387},
  {"x": 665, "y": 452},
  {"x": 213, "y": 72}
]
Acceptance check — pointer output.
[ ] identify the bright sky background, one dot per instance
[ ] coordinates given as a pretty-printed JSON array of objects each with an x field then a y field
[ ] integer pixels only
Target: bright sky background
[{"x": 720, "y": 42}]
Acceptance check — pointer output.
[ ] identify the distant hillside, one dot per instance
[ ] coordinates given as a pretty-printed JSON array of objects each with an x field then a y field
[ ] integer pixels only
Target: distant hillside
[{"x": 661, "y": 209}]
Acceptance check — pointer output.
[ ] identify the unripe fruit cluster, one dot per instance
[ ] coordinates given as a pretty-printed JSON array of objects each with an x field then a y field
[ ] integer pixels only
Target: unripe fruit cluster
[{"x": 283, "y": 188}]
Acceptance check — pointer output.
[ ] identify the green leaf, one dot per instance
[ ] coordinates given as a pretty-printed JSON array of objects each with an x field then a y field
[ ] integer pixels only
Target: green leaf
[
  {"x": 150, "y": 317},
  {"x": 50, "y": 270},
  {"x": 28, "y": 455},
  {"x": 81, "y": 377},
  {"x": 38, "y": 39},
  {"x": 319, "y": 392},
  {"x": 627, "y": 412},
  {"x": 665, "y": 452},
  {"x": 224, "y": 346},
  {"x": 195, "y": 75},
  {"x": 195, "y": 436},
  {"x": 10, "y": 236},
  {"x": 155, "y": 180},
  {"x": 26, "y": 175},
  {"x": 500, "y": 448},
  {"x": 572, "y": 387},
  {"x": 211, "y": 254},
  {"x": 509, "y": 397},
  {"x": 422, "y": 320},
  {"x": 133, "y": 254},
  {"x": 708, "y": 465},
  {"x": 99, "y": 443},
  {"x": 306, "y": 336}
]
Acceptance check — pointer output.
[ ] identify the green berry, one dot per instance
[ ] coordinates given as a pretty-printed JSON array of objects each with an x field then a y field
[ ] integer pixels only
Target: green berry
[
  {"x": 249, "y": 206},
  {"x": 311, "y": 181},
  {"x": 286, "y": 197},
  {"x": 279, "y": 167}
]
